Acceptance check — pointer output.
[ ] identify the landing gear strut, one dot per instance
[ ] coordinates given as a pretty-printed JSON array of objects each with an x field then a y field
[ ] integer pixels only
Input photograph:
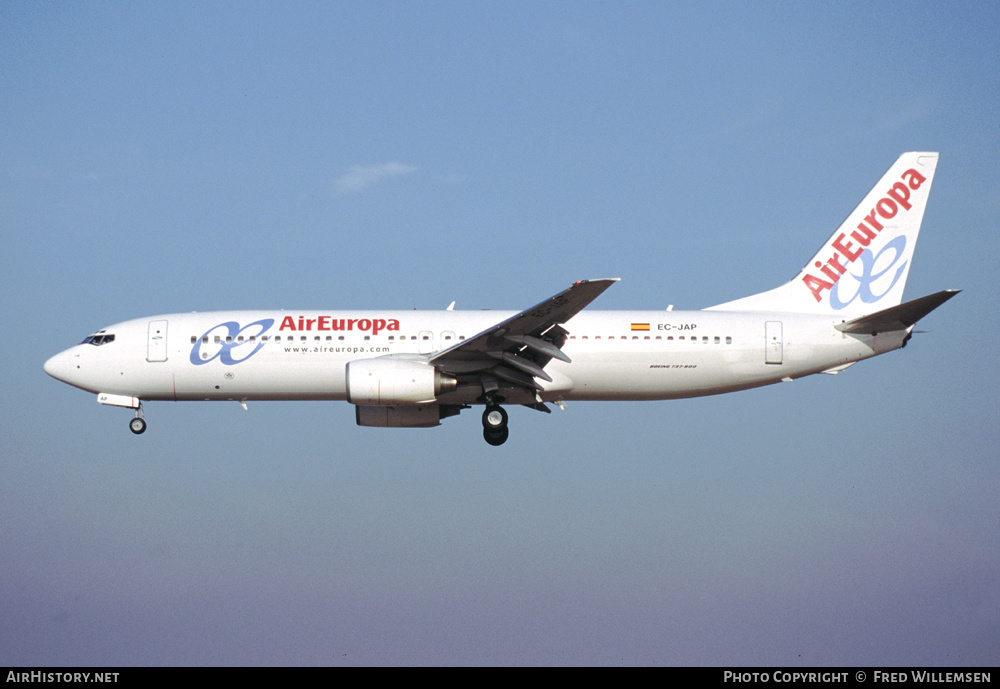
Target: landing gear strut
[
  {"x": 495, "y": 429},
  {"x": 138, "y": 424}
]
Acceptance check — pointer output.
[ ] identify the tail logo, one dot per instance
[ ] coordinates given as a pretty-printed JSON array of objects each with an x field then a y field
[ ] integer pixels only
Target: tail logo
[
  {"x": 868, "y": 275},
  {"x": 846, "y": 251}
]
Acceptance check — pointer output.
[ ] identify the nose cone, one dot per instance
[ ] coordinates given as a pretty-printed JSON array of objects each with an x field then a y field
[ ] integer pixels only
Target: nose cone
[
  {"x": 55, "y": 365},
  {"x": 64, "y": 366}
]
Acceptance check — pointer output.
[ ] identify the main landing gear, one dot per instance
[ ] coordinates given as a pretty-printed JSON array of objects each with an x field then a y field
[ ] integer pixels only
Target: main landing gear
[{"x": 495, "y": 429}]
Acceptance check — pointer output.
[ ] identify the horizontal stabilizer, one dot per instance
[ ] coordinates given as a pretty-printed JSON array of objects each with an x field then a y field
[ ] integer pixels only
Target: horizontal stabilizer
[{"x": 897, "y": 317}]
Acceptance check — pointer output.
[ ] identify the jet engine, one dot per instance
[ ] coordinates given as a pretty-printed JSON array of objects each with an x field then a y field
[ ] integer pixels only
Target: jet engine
[{"x": 387, "y": 381}]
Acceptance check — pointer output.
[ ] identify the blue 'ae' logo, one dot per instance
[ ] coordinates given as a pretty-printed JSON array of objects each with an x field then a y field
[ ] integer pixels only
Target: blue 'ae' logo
[
  {"x": 869, "y": 276},
  {"x": 231, "y": 346}
]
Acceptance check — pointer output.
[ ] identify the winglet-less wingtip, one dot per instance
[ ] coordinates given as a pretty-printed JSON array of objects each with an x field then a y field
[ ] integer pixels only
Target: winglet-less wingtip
[{"x": 580, "y": 282}]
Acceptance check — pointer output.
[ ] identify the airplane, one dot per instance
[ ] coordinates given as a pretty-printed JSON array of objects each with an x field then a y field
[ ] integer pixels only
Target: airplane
[{"x": 411, "y": 369}]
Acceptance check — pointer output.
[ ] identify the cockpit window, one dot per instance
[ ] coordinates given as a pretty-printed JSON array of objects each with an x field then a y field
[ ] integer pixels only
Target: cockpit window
[{"x": 99, "y": 339}]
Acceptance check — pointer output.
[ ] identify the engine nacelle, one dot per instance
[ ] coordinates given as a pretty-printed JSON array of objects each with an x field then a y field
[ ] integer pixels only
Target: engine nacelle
[{"x": 388, "y": 381}]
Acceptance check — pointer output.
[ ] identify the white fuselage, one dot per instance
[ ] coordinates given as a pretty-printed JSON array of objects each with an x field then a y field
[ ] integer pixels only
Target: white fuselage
[
  {"x": 616, "y": 355},
  {"x": 409, "y": 369}
]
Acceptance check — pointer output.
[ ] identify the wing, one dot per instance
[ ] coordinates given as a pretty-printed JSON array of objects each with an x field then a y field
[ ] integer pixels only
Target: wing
[{"x": 517, "y": 349}]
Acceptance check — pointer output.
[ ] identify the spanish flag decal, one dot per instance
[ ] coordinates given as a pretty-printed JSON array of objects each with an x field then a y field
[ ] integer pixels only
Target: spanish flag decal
[{"x": 640, "y": 326}]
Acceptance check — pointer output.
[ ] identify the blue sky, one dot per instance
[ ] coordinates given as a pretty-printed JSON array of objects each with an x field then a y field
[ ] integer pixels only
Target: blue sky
[{"x": 165, "y": 157}]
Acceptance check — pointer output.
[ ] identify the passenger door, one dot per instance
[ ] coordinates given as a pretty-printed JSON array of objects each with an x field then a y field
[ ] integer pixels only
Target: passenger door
[
  {"x": 156, "y": 342},
  {"x": 773, "y": 344}
]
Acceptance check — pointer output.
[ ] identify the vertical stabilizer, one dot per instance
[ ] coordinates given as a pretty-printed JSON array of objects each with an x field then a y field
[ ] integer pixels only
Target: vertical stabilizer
[{"x": 862, "y": 267}]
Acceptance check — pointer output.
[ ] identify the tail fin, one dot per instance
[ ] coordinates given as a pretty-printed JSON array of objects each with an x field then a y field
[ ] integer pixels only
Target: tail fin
[{"x": 862, "y": 268}]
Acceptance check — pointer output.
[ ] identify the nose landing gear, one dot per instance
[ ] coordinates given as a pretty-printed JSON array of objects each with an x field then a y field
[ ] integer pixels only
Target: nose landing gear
[{"x": 138, "y": 424}]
